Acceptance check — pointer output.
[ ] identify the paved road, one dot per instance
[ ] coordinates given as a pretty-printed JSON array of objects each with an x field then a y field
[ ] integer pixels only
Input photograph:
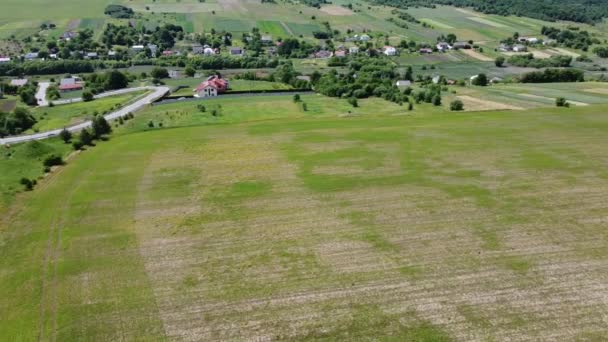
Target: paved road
[
  {"x": 157, "y": 93},
  {"x": 98, "y": 96},
  {"x": 41, "y": 93}
]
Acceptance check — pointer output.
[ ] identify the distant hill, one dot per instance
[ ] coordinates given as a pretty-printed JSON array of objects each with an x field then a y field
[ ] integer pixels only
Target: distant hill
[{"x": 585, "y": 11}]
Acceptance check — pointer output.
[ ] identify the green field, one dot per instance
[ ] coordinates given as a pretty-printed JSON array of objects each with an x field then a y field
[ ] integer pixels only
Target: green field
[
  {"x": 317, "y": 225},
  {"x": 70, "y": 114}
]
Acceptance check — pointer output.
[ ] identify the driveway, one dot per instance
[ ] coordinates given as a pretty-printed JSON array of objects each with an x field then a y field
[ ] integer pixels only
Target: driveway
[
  {"x": 157, "y": 93},
  {"x": 41, "y": 93}
]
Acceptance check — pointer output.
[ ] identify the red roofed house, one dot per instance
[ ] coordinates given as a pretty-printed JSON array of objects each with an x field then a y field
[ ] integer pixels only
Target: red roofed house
[
  {"x": 71, "y": 84},
  {"x": 213, "y": 86}
]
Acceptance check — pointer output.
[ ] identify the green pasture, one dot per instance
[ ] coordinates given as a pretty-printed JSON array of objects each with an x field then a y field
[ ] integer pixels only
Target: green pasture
[{"x": 356, "y": 223}]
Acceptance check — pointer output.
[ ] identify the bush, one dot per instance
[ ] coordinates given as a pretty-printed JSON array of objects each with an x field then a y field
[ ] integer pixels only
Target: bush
[
  {"x": 437, "y": 100},
  {"x": 87, "y": 96},
  {"x": 53, "y": 160},
  {"x": 499, "y": 62},
  {"x": 456, "y": 105},
  {"x": 28, "y": 183},
  {"x": 296, "y": 98},
  {"x": 560, "y": 102},
  {"x": 353, "y": 102}
]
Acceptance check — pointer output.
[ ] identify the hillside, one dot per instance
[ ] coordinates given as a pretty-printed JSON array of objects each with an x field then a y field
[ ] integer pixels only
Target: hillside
[{"x": 586, "y": 11}]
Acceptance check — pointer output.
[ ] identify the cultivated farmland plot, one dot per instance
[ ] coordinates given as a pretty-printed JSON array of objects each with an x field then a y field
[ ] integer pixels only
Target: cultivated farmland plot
[{"x": 419, "y": 227}]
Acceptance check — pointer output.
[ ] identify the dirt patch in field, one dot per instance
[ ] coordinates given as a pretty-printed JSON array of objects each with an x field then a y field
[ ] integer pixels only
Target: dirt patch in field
[
  {"x": 476, "y": 55},
  {"x": 602, "y": 91},
  {"x": 536, "y": 53},
  {"x": 562, "y": 51},
  {"x": 7, "y": 105},
  {"x": 475, "y": 104},
  {"x": 232, "y": 5},
  {"x": 336, "y": 10},
  {"x": 73, "y": 24}
]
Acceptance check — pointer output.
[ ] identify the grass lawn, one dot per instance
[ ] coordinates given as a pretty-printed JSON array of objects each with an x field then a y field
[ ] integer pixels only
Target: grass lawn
[
  {"x": 317, "y": 225},
  {"x": 70, "y": 114}
]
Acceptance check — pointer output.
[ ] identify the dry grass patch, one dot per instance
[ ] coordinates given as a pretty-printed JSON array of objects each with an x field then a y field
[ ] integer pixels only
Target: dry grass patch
[
  {"x": 475, "y": 104},
  {"x": 336, "y": 10},
  {"x": 477, "y": 55}
]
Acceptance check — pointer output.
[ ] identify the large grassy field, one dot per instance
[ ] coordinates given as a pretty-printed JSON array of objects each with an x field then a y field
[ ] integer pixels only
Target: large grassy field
[{"x": 319, "y": 225}]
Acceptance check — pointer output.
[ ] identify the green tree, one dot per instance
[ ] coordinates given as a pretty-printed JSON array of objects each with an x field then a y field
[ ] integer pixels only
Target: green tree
[
  {"x": 65, "y": 135},
  {"x": 100, "y": 126},
  {"x": 115, "y": 80},
  {"x": 86, "y": 138},
  {"x": 189, "y": 71},
  {"x": 500, "y": 61},
  {"x": 296, "y": 98},
  {"x": 159, "y": 73},
  {"x": 560, "y": 102},
  {"x": 437, "y": 100},
  {"x": 480, "y": 80}
]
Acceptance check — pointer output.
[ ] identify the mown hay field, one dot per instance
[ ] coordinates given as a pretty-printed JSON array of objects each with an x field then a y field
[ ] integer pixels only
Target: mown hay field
[{"x": 418, "y": 227}]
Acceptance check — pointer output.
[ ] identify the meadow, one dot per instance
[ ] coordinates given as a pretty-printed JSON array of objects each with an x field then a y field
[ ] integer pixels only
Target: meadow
[{"x": 269, "y": 222}]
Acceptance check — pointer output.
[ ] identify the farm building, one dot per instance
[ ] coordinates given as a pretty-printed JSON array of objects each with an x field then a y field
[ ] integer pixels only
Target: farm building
[
  {"x": 198, "y": 49},
  {"x": 19, "y": 82},
  {"x": 31, "y": 55},
  {"x": 71, "y": 84},
  {"x": 426, "y": 51},
  {"x": 520, "y": 48},
  {"x": 353, "y": 50},
  {"x": 322, "y": 54},
  {"x": 443, "y": 46},
  {"x": 403, "y": 83},
  {"x": 461, "y": 45},
  {"x": 236, "y": 51},
  {"x": 389, "y": 51},
  {"x": 5, "y": 60},
  {"x": 174, "y": 74},
  {"x": 137, "y": 48},
  {"x": 208, "y": 51},
  {"x": 213, "y": 86},
  {"x": 267, "y": 39},
  {"x": 364, "y": 38},
  {"x": 340, "y": 53}
]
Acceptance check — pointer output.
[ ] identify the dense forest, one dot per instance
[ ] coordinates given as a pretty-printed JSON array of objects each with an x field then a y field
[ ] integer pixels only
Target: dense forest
[{"x": 588, "y": 11}]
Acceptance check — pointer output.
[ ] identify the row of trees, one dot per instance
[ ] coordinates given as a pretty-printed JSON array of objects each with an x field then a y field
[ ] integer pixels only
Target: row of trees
[
  {"x": 553, "y": 75},
  {"x": 528, "y": 60},
  {"x": 16, "y": 122}
]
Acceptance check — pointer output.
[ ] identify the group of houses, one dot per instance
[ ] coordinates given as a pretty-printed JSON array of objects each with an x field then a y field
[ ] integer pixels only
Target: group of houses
[
  {"x": 445, "y": 46},
  {"x": 520, "y": 46}
]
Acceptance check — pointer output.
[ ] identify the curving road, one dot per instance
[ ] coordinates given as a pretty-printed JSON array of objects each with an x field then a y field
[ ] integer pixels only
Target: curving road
[{"x": 157, "y": 93}]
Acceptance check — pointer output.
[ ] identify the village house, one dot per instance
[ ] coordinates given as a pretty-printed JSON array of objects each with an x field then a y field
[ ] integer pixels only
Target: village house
[
  {"x": 236, "y": 51},
  {"x": 443, "y": 46},
  {"x": 137, "y": 48},
  {"x": 504, "y": 48},
  {"x": 174, "y": 74},
  {"x": 389, "y": 51},
  {"x": 267, "y": 39},
  {"x": 403, "y": 83},
  {"x": 461, "y": 45},
  {"x": 68, "y": 35},
  {"x": 71, "y": 84},
  {"x": 426, "y": 51},
  {"x": 19, "y": 82},
  {"x": 353, "y": 50},
  {"x": 340, "y": 53},
  {"x": 322, "y": 54},
  {"x": 153, "y": 49},
  {"x": 495, "y": 80},
  {"x": 5, "y": 60},
  {"x": 436, "y": 79},
  {"x": 168, "y": 53},
  {"x": 364, "y": 38},
  {"x": 303, "y": 78},
  {"x": 208, "y": 51},
  {"x": 91, "y": 55},
  {"x": 530, "y": 40},
  {"x": 520, "y": 48},
  {"x": 213, "y": 86},
  {"x": 198, "y": 49},
  {"x": 30, "y": 55}
]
